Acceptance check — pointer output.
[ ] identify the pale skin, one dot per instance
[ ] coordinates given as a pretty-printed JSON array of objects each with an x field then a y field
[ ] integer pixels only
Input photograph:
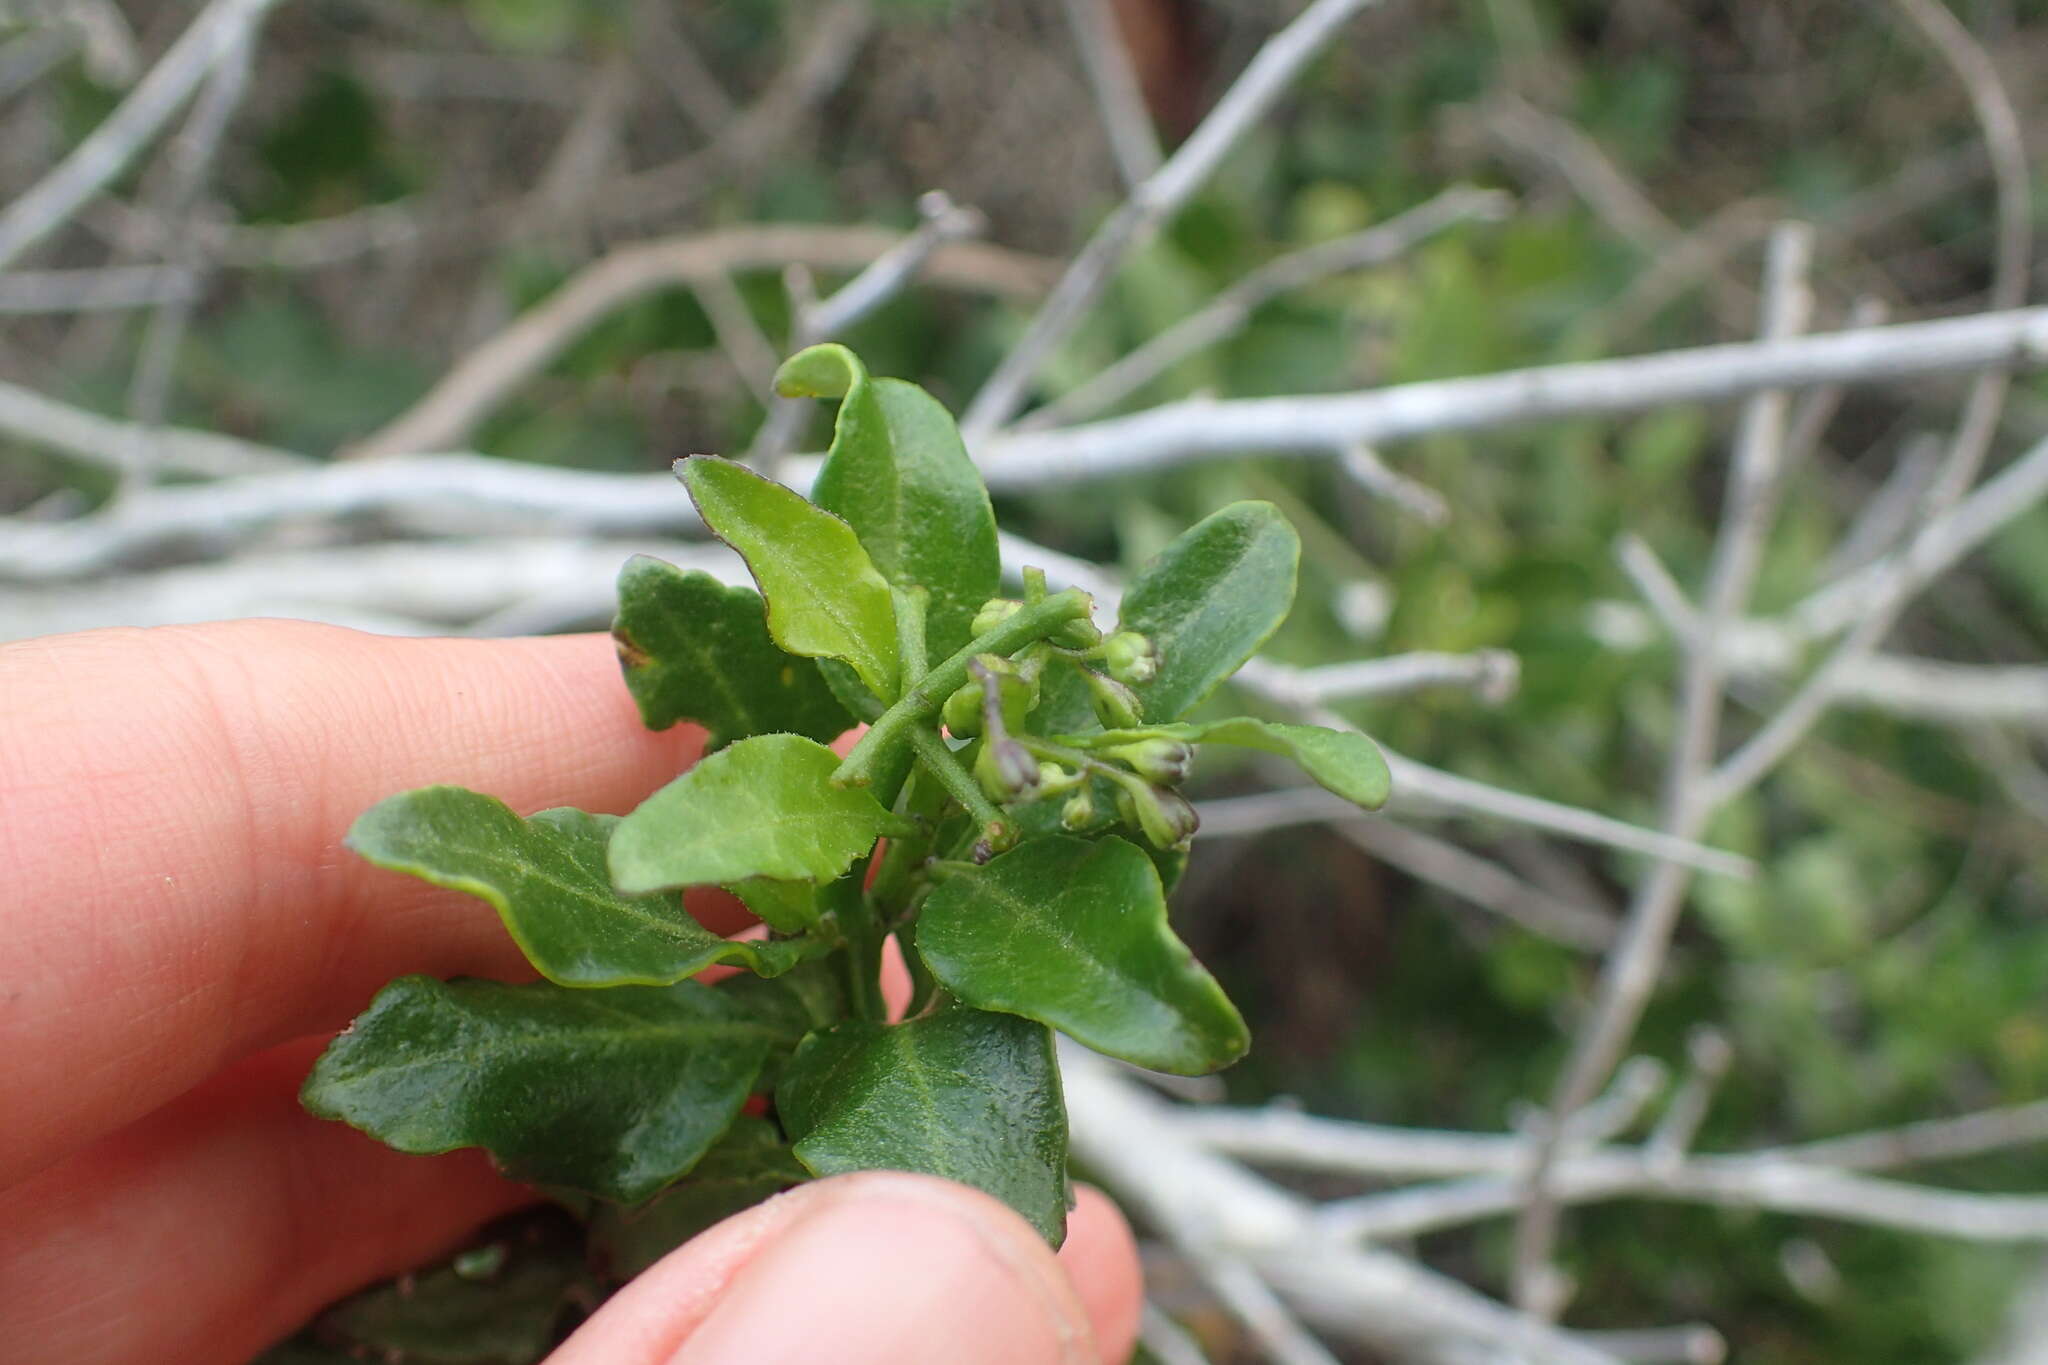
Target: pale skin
[{"x": 183, "y": 928}]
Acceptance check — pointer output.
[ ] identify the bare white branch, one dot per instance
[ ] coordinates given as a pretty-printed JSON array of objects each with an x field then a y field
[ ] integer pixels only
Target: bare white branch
[
  {"x": 1232, "y": 308},
  {"x": 1175, "y": 433},
  {"x": 105, "y": 289},
  {"x": 1268, "y": 75},
  {"x": 109, "y": 148},
  {"x": 1132, "y": 139},
  {"x": 1364, "y": 467},
  {"x": 1491, "y": 674}
]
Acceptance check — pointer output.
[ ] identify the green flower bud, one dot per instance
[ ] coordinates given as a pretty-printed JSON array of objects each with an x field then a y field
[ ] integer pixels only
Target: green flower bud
[
  {"x": 993, "y": 613},
  {"x": 1006, "y": 770},
  {"x": 1018, "y": 695},
  {"x": 1160, "y": 760},
  {"x": 962, "y": 711},
  {"x": 1053, "y": 779},
  {"x": 1165, "y": 816},
  {"x": 1079, "y": 812},
  {"x": 1130, "y": 657},
  {"x": 1079, "y": 633},
  {"x": 1116, "y": 706}
]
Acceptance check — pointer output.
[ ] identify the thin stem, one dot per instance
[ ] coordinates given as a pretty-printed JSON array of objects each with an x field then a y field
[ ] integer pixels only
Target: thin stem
[
  {"x": 945, "y": 765},
  {"x": 923, "y": 699},
  {"x": 910, "y": 604}
]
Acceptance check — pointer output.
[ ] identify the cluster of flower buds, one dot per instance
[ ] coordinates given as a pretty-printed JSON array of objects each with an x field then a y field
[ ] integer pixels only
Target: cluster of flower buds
[{"x": 1143, "y": 770}]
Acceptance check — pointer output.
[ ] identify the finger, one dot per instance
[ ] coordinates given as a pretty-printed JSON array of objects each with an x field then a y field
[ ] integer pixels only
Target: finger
[
  {"x": 881, "y": 1267},
  {"x": 220, "y": 1224},
  {"x": 177, "y": 894}
]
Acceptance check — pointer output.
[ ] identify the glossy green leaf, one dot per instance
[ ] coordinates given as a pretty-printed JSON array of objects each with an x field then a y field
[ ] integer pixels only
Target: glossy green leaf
[
  {"x": 546, "y": 877},
  {"x": 443, "y": 1317},
  {"x": 964, "y": 1094},
  {"x": 614, "y": 1093},
  {"x": 787, "y": 907},
  {"x": 900, "y": 475},
  {"x": 825, "y": 597},
  {"x": 694, "y": 649},
  {"x": 764, "y": 807},
  {"x": 750, "y": 1163},
  {"x": 1343, "y": 761},
  {"x": 1073, "y": 933},
  {"x": 1209, "y": 600}
]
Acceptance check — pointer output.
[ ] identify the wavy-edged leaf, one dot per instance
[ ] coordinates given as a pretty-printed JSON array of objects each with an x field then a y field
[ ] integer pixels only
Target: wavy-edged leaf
[
  {"x": 900, "y": 475},
  {"x": 750, "y": 1163},
  {"x": 1073, "y": 933},
  {"x": 764, "y": 807},
  {"x": 614, "y": 1093},
  {"x": 1343, "y": 761},
  {"x": 547, "y": 879},
  {"x": 963, "y": 1094},
  {"x": 692, "y": 648},
  {"x": 825, "y": 597},
  {"x": 1209, "y": 600}
]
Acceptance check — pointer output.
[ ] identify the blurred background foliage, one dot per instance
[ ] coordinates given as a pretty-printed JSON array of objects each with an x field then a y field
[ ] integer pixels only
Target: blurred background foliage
[{"x": 1889, "y": 963}]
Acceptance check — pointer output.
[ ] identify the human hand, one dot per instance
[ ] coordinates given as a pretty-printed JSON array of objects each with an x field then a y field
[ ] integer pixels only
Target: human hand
[{"x": 182, "y": 926}]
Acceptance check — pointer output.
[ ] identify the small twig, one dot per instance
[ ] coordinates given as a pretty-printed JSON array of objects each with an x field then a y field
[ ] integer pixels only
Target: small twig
[
  {"x": 888, "y": 275},
  {"x": 1658, "y": 588},
  {"x": 1168, "y": 1341},
  {"x": 733, "y": 324},
  {"x": 1885, "y": 516},
  {"x": 1232, "y": 308},
  {"x": 1363, "y": 466},
  {"x": 470, "y": 391},
  {"x": 1132, "y": 139},
  {"x": 667, "y": 55},
  {"x": 192, "y": 155},
  {"x": 1634, "y": 965},
  {"x": 1269, "y": 74},
  {"x": 1816, "y": 408},
  {"x": 1492, "y": 675},
  {"x": 1709, "y": 1055},
  {"x": 109, "y": 148},
  {"x": 104, "y": 289},
  {"x": 1691, "y": 1344},
  {"x": 1254, "y": 1304}
]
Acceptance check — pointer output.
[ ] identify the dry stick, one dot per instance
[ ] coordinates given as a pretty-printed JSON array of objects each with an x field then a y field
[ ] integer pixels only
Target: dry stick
[
  {"x": 1425, "y": 857},
  {"x": 109, "y": 148},
  {"x": 888, "y": 275},
  {"x": 1981, "y": 409},
  {"x": 1149, "y": 206},
  {"x": 1208, "y": 1206},
  {"x": 1632, "y": 968},
  {"x": 1132, "y": 139},
  {"x": 1168, "y": 1342},
  {"x": 732, "y": 322},
  {"x": 1230, "y": 310},
  {"x": 1371, "y": 475},
  {"x": 192, "y": 156},
  {"x": 102, "y": 289},
  {"x": 1492, "y": 674},
  {"x": 666, "y": 54},
  {"x": 1330, "y": 424},
  {"x": 487, "y": 376}
]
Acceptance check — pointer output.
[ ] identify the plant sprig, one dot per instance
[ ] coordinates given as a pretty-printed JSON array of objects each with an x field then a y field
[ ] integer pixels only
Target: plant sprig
[{"x": 1006, "y": 817}]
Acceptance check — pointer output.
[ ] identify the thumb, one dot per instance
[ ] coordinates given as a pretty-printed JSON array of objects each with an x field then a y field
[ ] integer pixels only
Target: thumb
[{"x": 879, "y": 1268}]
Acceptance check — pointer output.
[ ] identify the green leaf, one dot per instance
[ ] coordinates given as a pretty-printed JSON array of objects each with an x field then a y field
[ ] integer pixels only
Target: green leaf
[
  {"x": 1343, "y": 761},
  {"x": 900, "y": 475},
  {"x": 443, "y": 1317},
  {"x": 694, "y": 649},
  {"x": 750, "y": 1163},
  {"x": 825, "y": 597},
  {"x": 547, "y": 879},
  {"x": 1073, "y": 933},
  {"x": 764, "y": 807},
  {"x": 787, "y": 907},
  {"x": 1209, "y": 600},
  {"x": 614, "y": 1093},
  {"x": 963, "y": 1094}
]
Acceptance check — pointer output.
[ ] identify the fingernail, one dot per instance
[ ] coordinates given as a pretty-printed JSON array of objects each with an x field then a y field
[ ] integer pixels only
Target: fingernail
[{"x": 897, "y": 1271}]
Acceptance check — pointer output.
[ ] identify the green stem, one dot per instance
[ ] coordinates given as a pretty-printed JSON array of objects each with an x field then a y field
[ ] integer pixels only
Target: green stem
[
  {"x": 922, "y": 700},
  {"x": 910, "y": 604},
  {"x": 945, "y": 765}
]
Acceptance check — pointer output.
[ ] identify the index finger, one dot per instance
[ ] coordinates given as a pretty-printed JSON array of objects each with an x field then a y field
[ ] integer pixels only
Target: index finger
[{"x": 175, "y": 799}]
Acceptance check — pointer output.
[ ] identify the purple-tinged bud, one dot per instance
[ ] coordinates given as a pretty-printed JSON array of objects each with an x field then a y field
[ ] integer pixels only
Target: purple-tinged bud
[{"x": 1160, "y": 760}]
